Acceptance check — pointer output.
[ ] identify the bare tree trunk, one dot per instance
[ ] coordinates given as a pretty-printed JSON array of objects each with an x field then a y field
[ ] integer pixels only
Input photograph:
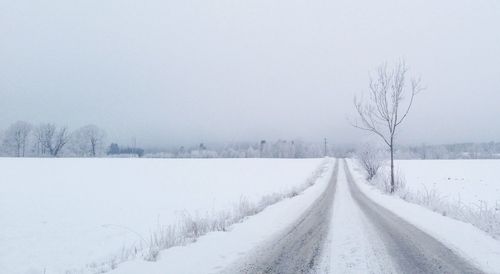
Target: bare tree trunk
[
  {"x": 93, "y": 147},
  {"x": 392, "y": 167},
  {"x": 18, "y": 150}
]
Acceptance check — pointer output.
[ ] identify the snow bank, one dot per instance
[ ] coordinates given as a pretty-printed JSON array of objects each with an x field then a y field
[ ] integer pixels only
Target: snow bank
[
  {"x": 466, "y": 190},
  {"x": 465, "y": 239},
  {"x": 60, "y": 214}
]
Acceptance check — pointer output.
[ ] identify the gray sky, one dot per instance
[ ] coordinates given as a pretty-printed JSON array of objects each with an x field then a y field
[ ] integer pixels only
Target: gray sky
[{"x": 191, "y": 70}]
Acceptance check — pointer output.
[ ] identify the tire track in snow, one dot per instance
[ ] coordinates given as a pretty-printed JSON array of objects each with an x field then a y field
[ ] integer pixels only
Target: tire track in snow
[
  {"x": 298, "y": 249},
  {"x": 353, "y": 245},
  {"x": 411, "y": 250},
  {"x": 399, "y": 247}
]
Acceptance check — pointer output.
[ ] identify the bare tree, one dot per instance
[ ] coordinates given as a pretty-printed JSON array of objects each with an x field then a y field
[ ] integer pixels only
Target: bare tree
[
  {"x": 90, "y": 140},
  {"x": 44, "y": 134},
  {"x": 50, "y": 140},
  {"x": 385, "y": 108},
  {"x": 61, "y": 138},
  {"x": 16, "y": 138},
  {"x": 370, "y": 158}
]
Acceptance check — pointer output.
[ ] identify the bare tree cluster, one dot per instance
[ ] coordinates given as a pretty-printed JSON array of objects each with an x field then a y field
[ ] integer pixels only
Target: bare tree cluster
[
  {"x": 388, "y": 104},
  {"x": 51, "y": 140},
  {"x": 89, "y": 140},
  {"x": 48, "y": 140},
  {"x": 16, "y": 138}
]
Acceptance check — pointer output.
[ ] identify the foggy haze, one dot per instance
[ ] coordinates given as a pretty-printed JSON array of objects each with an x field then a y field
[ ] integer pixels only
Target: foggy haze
[{"x": 170, "y": 72}]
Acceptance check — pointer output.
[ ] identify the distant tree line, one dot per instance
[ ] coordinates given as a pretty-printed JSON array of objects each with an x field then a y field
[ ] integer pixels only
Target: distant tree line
[
  {"x": 490, "y": 150},
  {"x": 115, "y": 150},
  {"x": 261, "y": 149},
  {"x": 22, "y": 139}
]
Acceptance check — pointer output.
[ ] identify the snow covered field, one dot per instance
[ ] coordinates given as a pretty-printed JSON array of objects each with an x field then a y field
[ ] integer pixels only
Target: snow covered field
[
  {"x": 467, "y": 181},
  {"x": 60, "y": 214},
  {"x": 221, "y": 252}
]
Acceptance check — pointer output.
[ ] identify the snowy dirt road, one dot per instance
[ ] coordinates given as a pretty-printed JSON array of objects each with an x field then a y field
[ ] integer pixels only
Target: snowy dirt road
[
  {"x": 409, "y": 249},
  {"x": 344, "y": 231},
  {"x": 297, "y": 249}
]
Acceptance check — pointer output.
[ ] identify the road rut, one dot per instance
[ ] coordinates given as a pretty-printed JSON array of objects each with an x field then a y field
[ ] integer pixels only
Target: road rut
[
  {"x": 298, "y": 249},
  {"x": 411, "y": 249}
]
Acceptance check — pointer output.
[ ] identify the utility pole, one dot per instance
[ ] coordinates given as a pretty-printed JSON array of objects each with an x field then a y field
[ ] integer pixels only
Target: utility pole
[
  {"x": 325, "y": 148},
  {"x": 134, "y": 143}
]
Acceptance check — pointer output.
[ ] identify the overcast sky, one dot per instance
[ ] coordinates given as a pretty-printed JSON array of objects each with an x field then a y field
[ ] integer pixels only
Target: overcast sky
[{"x": 183, "y": 71}]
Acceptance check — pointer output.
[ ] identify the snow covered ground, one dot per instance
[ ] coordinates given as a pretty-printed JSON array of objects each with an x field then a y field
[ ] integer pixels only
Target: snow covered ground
[
  {"x": 467, "y": 181},
  {"x": 60, "y": 214},
  {"x": 463, "y": 238},
  {"x": 218, "y": 251},
  {"x": 352, "y": 245}
]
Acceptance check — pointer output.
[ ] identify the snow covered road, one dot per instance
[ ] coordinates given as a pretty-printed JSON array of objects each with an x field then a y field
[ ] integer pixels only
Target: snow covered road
[
  {"x": 409, "y": 249},
  {"x": 299, "y": 248},
  {"x": 344, "y": 231},
  {"x": 339, "y": 224}
]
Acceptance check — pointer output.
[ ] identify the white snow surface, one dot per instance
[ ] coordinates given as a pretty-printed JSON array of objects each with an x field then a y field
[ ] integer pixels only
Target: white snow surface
[
  {"x": 466, "y": 181},
  {"x": 217, "y": 250},
  {"x": 353, "y": 245},
  {"x": 60, "y": 214},
  {"x": 466, "y": 240}
]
